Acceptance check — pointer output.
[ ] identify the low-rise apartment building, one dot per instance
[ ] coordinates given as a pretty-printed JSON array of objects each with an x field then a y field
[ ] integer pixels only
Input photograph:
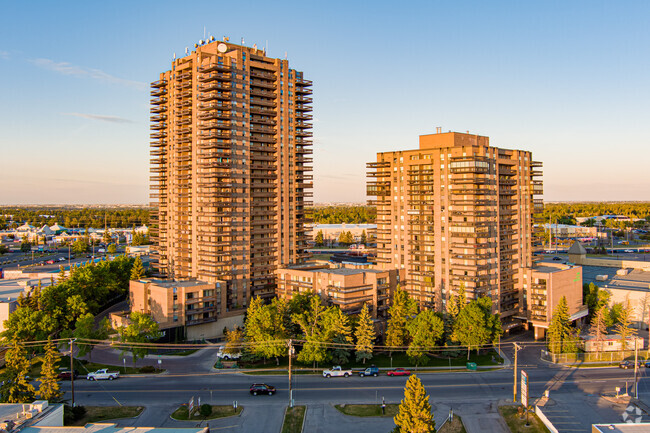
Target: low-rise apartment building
[
  {"x": 347, "y": 287},
  {"x": 547, "y": 283}
]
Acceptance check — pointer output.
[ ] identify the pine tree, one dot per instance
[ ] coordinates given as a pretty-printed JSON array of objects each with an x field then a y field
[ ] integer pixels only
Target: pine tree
[
  {"x": 137, "y": 271},
  {"x": 337, "y": 327},
  {"x": 414, "y": 414},
  {"x": 49, "y": 389},
  {"x": 365, "y": 335},
  {"x": 364, "y": 237},
  {"x": 16, "y": 387},
  {"x": 320, "y": 238},
  {"x": 624, "y": 326},
  {"x": 599, "y": 327},
  {"x": 401, "y": 309},
  {"x": 559, "y": 330}
]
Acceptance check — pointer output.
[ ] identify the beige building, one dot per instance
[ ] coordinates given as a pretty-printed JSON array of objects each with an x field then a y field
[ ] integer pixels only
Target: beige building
[
  {"x": 457, "y": 211},
  {"x": 347, "y": 287},
  {"x": 544, "y": 286},
  {"x": 230, "y": 162},
  {"x": 182, "y": 309}
]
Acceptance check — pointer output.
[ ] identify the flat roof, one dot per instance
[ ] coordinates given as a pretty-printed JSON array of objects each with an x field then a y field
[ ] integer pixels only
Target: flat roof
[
  {"x": 172, "y": 283},
  {"x": 550, "y": 267},
  {"x": 636, "y": 279},
  {"x": 10, "y": 290},
  {"x": 623, "y": 427},
  {"x": 109, "y": 428}
]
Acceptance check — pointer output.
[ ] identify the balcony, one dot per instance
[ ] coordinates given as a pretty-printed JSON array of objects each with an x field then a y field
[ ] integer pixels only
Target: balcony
[
  {"x": 158, "y": 101},
  {"x": 302, "y": 82},
  {"x": 214, "y": 76},
  {"x": 260, "y": 73},
  {"x": 159, "y": 83}
]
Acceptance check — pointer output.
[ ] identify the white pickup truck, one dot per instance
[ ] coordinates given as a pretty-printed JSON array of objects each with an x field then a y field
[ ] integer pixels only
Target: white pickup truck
[
  {"x": 103, "y": 374},
  {"x": 337, "y": 372}
]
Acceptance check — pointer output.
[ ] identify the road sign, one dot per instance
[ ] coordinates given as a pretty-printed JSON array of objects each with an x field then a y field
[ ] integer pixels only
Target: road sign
[{"x": 524, "y": 388}]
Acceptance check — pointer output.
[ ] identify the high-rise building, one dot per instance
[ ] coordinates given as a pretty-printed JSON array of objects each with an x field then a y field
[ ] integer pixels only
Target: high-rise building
[
  {"x": 458, "y": 212},
  {"x": 231, "y": 162}
]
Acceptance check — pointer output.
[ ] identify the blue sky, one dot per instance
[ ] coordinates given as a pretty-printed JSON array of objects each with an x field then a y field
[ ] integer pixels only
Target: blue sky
[{"x": 566, "y": 80}]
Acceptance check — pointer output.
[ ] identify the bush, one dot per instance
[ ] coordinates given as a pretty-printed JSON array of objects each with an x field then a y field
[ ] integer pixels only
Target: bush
[
  {"x": 72, "y": 414},
  {"x": 148, "y": 369},
  {"x": 206, "y": 410},
  {"x": 78, "y": 412}
]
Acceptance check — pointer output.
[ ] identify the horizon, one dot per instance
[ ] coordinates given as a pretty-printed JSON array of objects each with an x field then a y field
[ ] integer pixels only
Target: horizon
[{"x": 549, "y": 78}]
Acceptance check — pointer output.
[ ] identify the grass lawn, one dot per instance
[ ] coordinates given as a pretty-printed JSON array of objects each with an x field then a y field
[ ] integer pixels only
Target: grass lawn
[
  {"x": 222, "y": 411},
  {"x": 382, "y": 360},
  {"x": 181, "y": 352},
  {"x": 293, "y": 419},
  {"x": 455, "y": 426},
  {"x": 367, "y": 409},
  {"x": 516, "y": 424},
  {"x": 102, "y": 413}
]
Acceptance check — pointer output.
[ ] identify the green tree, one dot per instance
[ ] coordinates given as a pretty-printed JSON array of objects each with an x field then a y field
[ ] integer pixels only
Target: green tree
[
  {"x": 414, "y": 414},
  {"x": 402, "y": 308},
  {"x": 365, "y": 335},
  {"x": 364, "y": 237},
  {"x": 476, "y": 325},
  {"x": 338, "y": 330},
  {"x": 234, "y": 339},
  {"x": 79, "y": 246},
  {"x": 137, "y": 271},
  {"x": 111, "y": 249},
  {"x": 313, "y": 332},
  {"x": 85, "y": 330},
  {"x": 320, "y": 238},
  {"x": 107, "y": 237},
  {"x": 559, "y": 330},
  {"x": 25, "y": 246},
  {"x": 141, "y": 329},
  {"x": 599, "y": 327},
  {"x": 266, "y": 325},
  {"x": 425, "y": 331},
  {"x": 343, "y": 238},
  {"x": 624, "y": 326},
  {"x": 15, "y": 386},
  {"x": 49, "y": 388}
]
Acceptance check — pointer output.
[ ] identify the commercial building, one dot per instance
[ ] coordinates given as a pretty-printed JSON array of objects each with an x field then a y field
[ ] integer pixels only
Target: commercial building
[
  {"x": 546, "y": 284},
  {"x": 349, "y": 287},
  {"x": 458, "y": 212},
  {"x": 230, "y": 162}
]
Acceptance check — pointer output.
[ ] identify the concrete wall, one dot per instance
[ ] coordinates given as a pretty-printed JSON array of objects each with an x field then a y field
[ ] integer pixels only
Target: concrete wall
[
  {"x": 214, "y": 329},
  {"x": 610, "y": 263}
]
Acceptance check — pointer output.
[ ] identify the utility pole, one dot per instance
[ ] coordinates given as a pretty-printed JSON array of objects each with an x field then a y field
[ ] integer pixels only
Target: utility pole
[
  {"x": 636, "y": 366},
  {"x": 290, "y": 384},
  {"x": 517, "y": 347},
  {"x": 72, "y": 340}
]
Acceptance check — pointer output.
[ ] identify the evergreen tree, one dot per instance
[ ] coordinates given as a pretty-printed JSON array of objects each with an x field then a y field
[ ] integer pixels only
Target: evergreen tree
[
  {"x": 559, "y": 330},
  {"x": 365, "y": 335},
  {"x": 137, "y": 271},
  {"x": 338, "y": 329},
  {"x": 107, "y": 236},
  {"x": 599, "y": 327},
  {"x": 425, "y": 332},
  {"x": 320, "y": 238},
  {"x": 313, "y": 331},
  {"x": 414, "y": 414},
  {"x": 624, "y": 326},
  {"x": 15, "y": 386},
  {"x": 364, "y": 237},
  {"x": 49, "y": 388},
  {"x": 402, "y": 308},
  {"x": 111, "y": 249}
]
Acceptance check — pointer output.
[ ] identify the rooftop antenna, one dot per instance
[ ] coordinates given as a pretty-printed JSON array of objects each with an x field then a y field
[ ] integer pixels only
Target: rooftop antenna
[
  {"x": 174, "y": 57},
  {"x": 187, "y": 51},
  {"x": 242, "y": 41},
  {"x": 285, "y": 55}
]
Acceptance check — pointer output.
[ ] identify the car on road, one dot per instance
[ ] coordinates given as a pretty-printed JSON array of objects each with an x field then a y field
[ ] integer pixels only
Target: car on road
[
  {"x": 628, "y": 251},
  {"x": 557, "y": 259},
  {"x": 262, "y": 388},
  {"x": 629, "y": 364},
  {"x": 370, "y": 371},
  {"x": 398, "y": 372},
  {"x": 221, "y": 354},
  {"x": 67, "y": 375},
  {"x": 50, "y": 262},
  {"x": 62, "y": 259}
]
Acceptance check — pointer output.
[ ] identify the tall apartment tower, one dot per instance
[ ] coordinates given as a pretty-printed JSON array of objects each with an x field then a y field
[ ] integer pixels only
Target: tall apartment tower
[
  {"x": 458, "y": 212},
  {"x": 231, "y": 162}
]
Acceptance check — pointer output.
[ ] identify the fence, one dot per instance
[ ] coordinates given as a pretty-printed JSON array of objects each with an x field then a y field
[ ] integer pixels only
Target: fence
[{"x": 573, "y": 358}]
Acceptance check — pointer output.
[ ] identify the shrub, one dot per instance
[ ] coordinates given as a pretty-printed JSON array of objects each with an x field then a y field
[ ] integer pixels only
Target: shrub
[
  {"x": 148, "y": 369},
  {"x": 206, "y": 410}
]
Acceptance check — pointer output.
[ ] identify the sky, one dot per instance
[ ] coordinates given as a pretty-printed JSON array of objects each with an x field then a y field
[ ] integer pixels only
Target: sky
[{"x": 565, "y": 80}]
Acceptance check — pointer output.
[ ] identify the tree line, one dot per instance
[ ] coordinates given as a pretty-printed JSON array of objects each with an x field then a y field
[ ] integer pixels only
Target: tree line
[
  {"x": 114, "y": 217},
  {"x": 325, "y": 333},
  {"x": 566, "y": 213},
  {"x": 344, "y": 214}
]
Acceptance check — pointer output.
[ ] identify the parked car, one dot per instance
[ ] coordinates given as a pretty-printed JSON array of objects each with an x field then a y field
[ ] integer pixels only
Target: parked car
[
  {"x": 630, "y": 364},
  {"x": 50, "y": 262},
  {"x": 557, "y": 259},
  {"x": 337, "y": 371},
  {"x": 103, "y": 374},
  {"x": 67, "y": 375},
  {"x": 398, "y": 372},
  {"x": 262, "y": 388},
  {"x": 628, "y": 251},
  {"x": 370, "y": 371},
  {"x": 221, "y": 354}
]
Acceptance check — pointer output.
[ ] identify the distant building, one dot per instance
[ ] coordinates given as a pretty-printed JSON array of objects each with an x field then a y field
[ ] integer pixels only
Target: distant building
[
  {"x": 609, "y": 343},
  {"x": 331, "y": 232},
  {"x": 347, "y": 287},
  {"x": 631, "y": 286}
]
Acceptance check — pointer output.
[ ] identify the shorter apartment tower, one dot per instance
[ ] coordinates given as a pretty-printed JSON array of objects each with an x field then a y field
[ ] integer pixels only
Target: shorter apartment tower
[
  {"x": 348, "y": 287},
  {"x": 182, "y": 309},
  {"x": 547, "y": 283},
  {"x": 458, "y": 212}
]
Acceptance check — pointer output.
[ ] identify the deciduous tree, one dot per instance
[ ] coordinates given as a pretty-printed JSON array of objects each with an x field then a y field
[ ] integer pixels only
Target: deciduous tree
[
  {"x": 141, "y": 329},
  {"x": 320, "y": 238},
  {"x": 313, "y": 331},
  {"x": 476, "y": 325},
  {"x": 624, "y": 326},
  {"x": 425, "y": 331},
  {"x": 599, "y": 327}
]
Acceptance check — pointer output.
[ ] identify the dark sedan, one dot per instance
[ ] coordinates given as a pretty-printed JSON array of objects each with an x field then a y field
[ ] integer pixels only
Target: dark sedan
[{"x": 262, "y": 388}]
